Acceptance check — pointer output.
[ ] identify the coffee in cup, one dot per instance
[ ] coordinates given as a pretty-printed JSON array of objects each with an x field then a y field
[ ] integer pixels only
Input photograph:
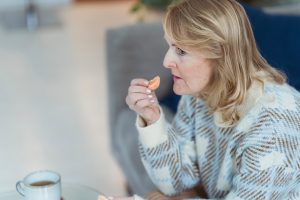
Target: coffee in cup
[{"x": 40, "y": 185}]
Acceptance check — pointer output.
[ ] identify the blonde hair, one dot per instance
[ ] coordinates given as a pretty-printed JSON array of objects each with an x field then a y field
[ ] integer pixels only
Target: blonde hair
[{"x": 222, "y": 30}]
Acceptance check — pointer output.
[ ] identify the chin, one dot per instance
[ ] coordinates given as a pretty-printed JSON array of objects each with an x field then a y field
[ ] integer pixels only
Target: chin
[{"x": 179, "y": 91}]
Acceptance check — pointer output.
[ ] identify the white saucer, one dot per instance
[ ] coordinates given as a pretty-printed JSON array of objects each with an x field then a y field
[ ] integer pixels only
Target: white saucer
[{"x": 70, "y": 191}]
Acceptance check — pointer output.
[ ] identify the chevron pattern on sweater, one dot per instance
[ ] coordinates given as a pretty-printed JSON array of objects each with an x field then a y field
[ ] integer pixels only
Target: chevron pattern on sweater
[{"x": 257, "y": 159}]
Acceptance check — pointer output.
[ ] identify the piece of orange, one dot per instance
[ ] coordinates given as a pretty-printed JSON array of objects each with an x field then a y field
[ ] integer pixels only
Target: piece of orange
[
  {"x": 154, "y": 83},
  {"x": 101, "y": 197}
]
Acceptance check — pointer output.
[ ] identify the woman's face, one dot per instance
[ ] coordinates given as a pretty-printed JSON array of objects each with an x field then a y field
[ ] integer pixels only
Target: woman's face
[{"x": 190, "y": 69}]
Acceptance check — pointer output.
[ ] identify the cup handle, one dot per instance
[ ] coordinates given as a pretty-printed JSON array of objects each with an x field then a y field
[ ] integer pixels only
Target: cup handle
[{"x": 20, "y": 188}]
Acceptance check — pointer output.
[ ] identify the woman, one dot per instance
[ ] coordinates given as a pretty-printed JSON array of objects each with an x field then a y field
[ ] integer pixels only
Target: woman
[{"x": 237, "y": 129}]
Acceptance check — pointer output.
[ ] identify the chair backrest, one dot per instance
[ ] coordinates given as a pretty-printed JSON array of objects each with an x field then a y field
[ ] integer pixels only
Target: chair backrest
[
  {"x": 278, "y": 39},
  {"x": 134, "y": 51}
]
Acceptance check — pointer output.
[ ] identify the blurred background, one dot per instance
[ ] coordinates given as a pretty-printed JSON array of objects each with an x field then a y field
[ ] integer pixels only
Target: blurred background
[
  {"x": 53, "y": 90},
  {"x": 53, "y": 86}
]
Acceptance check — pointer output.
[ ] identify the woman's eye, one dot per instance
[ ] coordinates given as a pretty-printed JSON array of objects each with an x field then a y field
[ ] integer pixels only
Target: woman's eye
[{"x": 180, "y": 51}]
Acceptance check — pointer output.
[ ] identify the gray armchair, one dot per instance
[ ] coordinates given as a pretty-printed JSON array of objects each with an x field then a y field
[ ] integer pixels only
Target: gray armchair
[{"x": 135, "y": 51}]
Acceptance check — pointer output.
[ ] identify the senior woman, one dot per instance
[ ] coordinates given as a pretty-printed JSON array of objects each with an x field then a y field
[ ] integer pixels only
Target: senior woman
[{"x": 236, "y": 132}]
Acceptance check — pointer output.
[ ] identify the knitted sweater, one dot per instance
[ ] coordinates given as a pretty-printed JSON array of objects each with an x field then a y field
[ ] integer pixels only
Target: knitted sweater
[{"x": 258, "y": 158}]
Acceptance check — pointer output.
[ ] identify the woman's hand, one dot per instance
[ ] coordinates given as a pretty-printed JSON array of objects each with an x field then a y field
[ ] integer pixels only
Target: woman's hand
[
  {"x": 101, "y": 197},
  {"x": 143, "y": 101}
]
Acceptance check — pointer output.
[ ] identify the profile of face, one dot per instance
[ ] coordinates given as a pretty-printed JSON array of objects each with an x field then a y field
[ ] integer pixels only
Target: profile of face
[{"x": 190, "y": 69}]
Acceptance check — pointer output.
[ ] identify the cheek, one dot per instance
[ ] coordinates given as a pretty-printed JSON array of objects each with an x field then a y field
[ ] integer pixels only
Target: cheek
[
  {"x": 203, "y": 76},
  {"x": 208, "y": 74}
]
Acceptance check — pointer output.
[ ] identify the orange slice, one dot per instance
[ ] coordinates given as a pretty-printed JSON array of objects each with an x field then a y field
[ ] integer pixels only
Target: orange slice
[
  {"x": 154, "y": 83},
  {"x": 101, "y": 197}
]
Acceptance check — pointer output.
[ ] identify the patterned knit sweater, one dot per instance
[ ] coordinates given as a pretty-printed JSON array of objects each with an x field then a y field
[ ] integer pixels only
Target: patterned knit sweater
[{"x": 258, "y": 158}]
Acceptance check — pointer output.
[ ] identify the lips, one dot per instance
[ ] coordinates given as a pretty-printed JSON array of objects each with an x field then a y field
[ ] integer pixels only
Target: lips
[{"x": 176, "y": 77}]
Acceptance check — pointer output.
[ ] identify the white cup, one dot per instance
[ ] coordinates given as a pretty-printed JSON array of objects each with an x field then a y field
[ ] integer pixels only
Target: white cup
[{"x": 40, "y": 185}]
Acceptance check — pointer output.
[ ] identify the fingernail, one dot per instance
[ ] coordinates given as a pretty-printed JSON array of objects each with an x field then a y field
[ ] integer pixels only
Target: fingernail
[
  {"x": 150, "y": 96},
  {"x": 152, "y": 101},
  {"x": 148, "y": 91},
  {"x": 146, "y": 82}
]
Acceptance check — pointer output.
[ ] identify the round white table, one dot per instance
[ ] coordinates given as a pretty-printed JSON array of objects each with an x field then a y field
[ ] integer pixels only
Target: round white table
[{"x": 69, "y": 192}]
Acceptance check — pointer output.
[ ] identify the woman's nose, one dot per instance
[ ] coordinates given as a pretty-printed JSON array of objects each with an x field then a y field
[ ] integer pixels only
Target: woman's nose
[{"x": 169, "y": 62}]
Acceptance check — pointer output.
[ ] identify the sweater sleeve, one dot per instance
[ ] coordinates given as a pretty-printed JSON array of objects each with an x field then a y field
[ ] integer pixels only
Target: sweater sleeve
[{"x": 168, "y": 150}]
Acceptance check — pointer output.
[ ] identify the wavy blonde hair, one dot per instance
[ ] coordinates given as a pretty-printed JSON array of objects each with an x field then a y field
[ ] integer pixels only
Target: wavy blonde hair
[{"x": 222, "y": 30}]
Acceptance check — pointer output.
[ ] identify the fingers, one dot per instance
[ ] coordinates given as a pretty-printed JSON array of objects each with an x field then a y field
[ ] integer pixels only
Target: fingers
[
  {"x": 139, "y": 96},
  {"x": 139, "y": 82},
  {"x": 123, "y": 198},
  {"x": 139, "y": 86},
  {"x": 139, "y": 89},
  {"x": 138, "y": 101},
  {"x": 132, "y": 99},
  {"x": 140, "y": 104},
  {"x": 142, "y": 100}
]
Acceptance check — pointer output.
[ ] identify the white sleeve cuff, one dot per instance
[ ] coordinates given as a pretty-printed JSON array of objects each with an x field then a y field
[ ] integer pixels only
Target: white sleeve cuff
[{"x": 154, "y": 134}]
